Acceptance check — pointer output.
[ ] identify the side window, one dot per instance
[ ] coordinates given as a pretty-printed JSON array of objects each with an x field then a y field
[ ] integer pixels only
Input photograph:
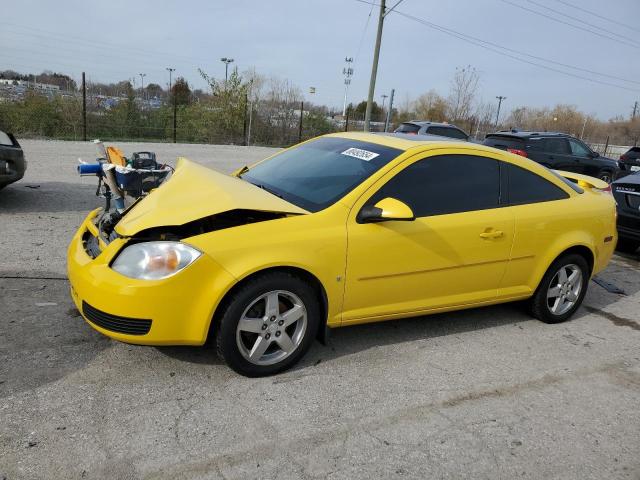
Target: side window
[
  {"x": 527, "y": 187},
  {"x": 408, "y": 128},
  {"x": 447, "y": 132},
  {"x": 578, "y": 149},
  {"x": 445, "y": 184},
  {"x": 556, "y": 145}
]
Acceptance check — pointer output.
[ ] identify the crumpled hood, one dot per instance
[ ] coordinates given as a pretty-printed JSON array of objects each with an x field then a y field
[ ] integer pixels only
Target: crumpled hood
[{"x": 195, "y": 192}]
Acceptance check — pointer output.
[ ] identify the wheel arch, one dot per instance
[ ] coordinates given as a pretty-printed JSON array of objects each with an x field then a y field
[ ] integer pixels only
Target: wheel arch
[
  {"x": 323, "y": 331},
  {"x": 579, "y": 248}
]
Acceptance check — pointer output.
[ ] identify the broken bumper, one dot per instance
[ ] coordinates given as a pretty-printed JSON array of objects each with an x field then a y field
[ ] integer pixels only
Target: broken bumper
[{"x": 173, "y": 311}]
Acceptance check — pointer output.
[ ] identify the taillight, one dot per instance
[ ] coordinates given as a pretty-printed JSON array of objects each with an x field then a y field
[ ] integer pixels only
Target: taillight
[
  {"x": 607, "y": 189},
  {"x": 517, "y": 151},
  {"x": 623, "y": 157}
]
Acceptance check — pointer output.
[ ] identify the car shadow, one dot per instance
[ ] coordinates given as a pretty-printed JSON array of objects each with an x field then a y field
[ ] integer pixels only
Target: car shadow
[
  {"x": 348, "y": 340},
  {"x": 48, "y": 197}
]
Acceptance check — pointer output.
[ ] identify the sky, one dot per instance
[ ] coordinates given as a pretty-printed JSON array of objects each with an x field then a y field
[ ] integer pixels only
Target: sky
[{"x": 306, "y": 41}]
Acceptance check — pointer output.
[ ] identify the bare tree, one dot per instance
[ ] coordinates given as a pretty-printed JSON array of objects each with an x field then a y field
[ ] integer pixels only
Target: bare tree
[{"x": 464, "y": 88}]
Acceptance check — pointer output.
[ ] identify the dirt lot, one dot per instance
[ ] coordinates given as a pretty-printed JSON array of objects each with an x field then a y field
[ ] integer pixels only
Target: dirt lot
[{"x": 486, "y": 393}]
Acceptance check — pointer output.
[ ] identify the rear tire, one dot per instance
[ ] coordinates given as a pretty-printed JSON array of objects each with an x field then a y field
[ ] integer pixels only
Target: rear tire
[
  {"x": 561, "y": 290},
  {"x": 268, "y": 324}
]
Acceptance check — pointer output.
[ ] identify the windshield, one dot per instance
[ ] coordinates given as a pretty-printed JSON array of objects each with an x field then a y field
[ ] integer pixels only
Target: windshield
[{"x": 318, "y": 173}]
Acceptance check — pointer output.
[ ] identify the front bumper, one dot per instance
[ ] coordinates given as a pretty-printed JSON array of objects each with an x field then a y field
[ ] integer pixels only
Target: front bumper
[
  {"x": 179, "y": 309},
  {"x": 11, "y": 171}
]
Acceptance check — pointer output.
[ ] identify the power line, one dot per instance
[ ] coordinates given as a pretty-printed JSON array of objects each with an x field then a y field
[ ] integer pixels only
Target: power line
[
  {"x": 503, "y": 51},
  {"x": 597, "y": 15},
  {"x": 583, "y": 21},
  {"x": 84, "y": 41},
  {"x": 570, "y": 24},
  {"x": 480, "y": 43}
]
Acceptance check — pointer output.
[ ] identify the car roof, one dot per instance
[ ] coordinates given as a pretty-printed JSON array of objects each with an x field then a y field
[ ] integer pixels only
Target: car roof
[
  {"x": 403, "y": 141},
  {"x": 422, "y": 123},
  {"x": 526, "y": 134}
]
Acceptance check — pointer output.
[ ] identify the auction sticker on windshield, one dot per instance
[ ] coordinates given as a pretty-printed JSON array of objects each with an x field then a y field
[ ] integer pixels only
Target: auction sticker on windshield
[{"x": 361, "y": 154}]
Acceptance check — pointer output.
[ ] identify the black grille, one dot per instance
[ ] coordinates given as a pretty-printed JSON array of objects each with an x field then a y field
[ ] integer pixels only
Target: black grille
[
  {"x": 634, "y": 201},
  {"x": 114, "y": 323}
]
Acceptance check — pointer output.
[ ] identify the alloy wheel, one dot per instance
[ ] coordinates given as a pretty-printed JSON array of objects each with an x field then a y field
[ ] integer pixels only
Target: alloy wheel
[
  {"x": 272, "y": 327},
  {"x": 564, "y": 289}
]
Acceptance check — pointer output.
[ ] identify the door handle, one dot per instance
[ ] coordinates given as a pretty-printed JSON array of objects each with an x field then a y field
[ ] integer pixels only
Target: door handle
[{"x": 493, "y": 234}]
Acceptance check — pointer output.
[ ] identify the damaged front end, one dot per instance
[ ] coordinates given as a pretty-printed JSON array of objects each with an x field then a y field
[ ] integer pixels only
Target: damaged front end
[{"x": 104, "y": 231}]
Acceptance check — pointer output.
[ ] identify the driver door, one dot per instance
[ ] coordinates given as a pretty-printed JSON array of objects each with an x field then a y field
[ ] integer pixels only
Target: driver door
[{"x": 454, "y": 253}]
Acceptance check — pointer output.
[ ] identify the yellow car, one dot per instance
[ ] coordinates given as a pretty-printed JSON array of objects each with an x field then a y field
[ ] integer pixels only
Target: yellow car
[{"x": 343, "y": 229}]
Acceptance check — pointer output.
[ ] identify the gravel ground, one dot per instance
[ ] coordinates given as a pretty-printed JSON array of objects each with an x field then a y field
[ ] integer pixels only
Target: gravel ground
[{"x": 485, "y": 393}]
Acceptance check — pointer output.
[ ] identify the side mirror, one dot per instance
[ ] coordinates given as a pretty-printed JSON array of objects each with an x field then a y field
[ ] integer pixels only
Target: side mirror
[
  {"x": 385, "y": 210},
  {"x": 595, "y": 154}
]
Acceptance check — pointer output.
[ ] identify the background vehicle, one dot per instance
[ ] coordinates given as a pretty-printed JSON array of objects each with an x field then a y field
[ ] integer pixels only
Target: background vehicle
[
  {"x": 630, "y": 161},
  {"x": 558, "y": 151},
  {"x": 416, "y": 127},
  {"x": 12, "y": 162},
  {"x": 626, "y": 191}
]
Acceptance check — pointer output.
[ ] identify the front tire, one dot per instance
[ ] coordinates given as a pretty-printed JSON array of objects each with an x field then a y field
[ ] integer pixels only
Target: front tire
[
  {"x": 561, "y": 290},
  {"x": 268, "y": 324}
]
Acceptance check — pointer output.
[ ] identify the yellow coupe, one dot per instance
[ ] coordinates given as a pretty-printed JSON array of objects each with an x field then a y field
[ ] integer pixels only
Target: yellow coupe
[{"x": 343, "y": 229}]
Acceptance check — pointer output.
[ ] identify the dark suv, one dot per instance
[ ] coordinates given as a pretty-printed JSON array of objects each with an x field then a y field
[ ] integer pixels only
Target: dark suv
[
  {"x": 626, "y": 191},
  {"x": 418, "y": 127},
  {"x": 556, "y": 150},
  {"x": 630, "y": 161}
]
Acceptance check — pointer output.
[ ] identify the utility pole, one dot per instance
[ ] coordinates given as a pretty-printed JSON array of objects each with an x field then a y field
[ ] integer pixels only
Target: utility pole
[
  {"x": 374, "y": 68},
  {"x": 226, "y": 62},
  {"x": 386, "y": 123},
  {"x": 584, "y": 124},
  {"x": 347, "y": 72},
  {"x": 635, "y": 109},
  {"x": 142, "y": 75},
  {"x": 172, "y": 96},
  {"x": 84, "y": 108},
  {"x": 500, "y": 99}
]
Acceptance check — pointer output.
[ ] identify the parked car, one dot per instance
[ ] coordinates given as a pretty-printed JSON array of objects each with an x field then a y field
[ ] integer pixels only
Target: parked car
[
  {"x": 558, "y": 151},
  {"x": 626, "y": 191},
  {"x": 416, "y": 127},
  {"x": 630, "y": 161},
  {"x": 12, "y": 162},
  {"x": 347, "y": 228}
]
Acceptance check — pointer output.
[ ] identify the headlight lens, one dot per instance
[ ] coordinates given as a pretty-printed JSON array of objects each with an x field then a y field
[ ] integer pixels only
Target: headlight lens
[{"x": 154, "y": 260}]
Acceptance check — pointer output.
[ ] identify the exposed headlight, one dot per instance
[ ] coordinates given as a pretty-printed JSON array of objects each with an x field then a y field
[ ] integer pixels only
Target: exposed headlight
[{"x": 154, "y": 260}]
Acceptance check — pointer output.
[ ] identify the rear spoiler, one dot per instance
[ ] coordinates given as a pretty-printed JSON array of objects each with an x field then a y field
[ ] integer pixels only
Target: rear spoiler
[{"x": 585, "y": 181}]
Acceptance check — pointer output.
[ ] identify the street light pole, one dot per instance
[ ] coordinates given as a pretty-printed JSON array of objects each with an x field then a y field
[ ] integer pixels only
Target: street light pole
[
  {"x": 226, "y": 62},
  {"x": 142, "y": 75},
  {"x": 500, "y": 99},
  {"x": 348, "y": 72},
  {"x": 175, "y": 108}
]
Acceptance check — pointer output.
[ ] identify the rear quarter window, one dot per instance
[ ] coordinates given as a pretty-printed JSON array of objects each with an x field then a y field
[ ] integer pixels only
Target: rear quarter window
[
  {"x": 5, "y": 139},
  {"x": 504, "y": 142},
  {"x": 408, "y": 128},
  {"x": 447, "y": 132},
  {"x": 527, "y": 187}
]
